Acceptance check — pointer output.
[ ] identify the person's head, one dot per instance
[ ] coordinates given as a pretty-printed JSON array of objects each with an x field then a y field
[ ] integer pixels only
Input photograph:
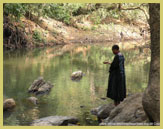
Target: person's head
[{"x": 115, "y": 49}]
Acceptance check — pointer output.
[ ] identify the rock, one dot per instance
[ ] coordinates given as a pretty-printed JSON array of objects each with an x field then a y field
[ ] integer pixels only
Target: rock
[
  {"x": 82, "y": 106},
  {"x": 40, "y": 87},
  {"x": 33, "y": 100},
  {"x": 103, "y": 98},
  {"x": 128, "y": 111},
  {"x": 9, "y": 104},
  {"x": 55, "y": 121},
  {"x": 103, "y": 111},
  {"x": 77, "y": 75}
]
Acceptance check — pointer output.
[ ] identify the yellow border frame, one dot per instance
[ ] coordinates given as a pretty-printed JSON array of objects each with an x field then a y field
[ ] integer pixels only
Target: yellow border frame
[{"x": 70, "y": 1}]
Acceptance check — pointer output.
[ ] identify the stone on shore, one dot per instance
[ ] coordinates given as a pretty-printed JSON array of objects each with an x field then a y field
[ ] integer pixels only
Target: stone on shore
[
  {"x": 103, "y": 111},
  {"x": 55, "y": 121},
  {"x": 128, "y": 111},
  {"x": 9, "y": 104}
]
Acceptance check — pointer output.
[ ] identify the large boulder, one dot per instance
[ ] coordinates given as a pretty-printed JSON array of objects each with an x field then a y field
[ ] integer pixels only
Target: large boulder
[
  {"x": 9, "y": 104},
  {"x": 40, "y": 87},
  {"x": 55, "y": 121},
  {"x": 77, "y": 75},
  {"x": 103, "y": 111},
  {"x": 128, "y": 111}
]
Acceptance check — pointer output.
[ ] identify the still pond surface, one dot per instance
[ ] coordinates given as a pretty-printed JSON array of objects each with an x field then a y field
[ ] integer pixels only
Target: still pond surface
[{"x": 68, "y": 98}]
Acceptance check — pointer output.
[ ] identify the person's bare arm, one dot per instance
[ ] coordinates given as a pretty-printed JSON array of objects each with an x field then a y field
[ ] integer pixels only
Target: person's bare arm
[{"x": 106, "y": 62}]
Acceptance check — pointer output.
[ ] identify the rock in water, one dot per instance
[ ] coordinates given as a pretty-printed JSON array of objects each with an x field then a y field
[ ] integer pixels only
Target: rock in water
[
  {"x": 128, "y": 111},
  {"x": 33, "y": 100},
  {"x": 9, "y": 104},
  {"x": 55, "y": 121},
  {"x": 39, "y": 87},
  {"x": 76, "y": 75}
]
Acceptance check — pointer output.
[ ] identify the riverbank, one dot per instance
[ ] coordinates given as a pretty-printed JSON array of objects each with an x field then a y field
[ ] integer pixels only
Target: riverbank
[
  {"x": 128, "y": 112},
  {"x": 42, "y": 32}
]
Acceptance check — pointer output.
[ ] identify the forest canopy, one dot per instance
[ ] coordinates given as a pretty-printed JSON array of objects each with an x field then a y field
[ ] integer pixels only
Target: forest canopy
[{"x": 66, "y": 11}]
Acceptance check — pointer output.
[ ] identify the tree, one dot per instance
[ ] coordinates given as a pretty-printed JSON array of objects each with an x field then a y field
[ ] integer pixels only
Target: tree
[{"x": 151, "y": 97}]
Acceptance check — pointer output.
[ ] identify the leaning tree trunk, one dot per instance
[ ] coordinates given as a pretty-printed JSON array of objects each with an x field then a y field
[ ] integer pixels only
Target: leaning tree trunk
[{"x": 151, "y": 97}]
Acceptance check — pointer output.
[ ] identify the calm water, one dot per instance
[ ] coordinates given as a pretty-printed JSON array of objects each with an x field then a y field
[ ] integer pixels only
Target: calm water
[{"x": 56, "y": 64}]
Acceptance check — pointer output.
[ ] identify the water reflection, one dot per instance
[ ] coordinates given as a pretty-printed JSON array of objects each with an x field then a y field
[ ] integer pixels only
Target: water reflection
[{"x": 67, "y": 97}]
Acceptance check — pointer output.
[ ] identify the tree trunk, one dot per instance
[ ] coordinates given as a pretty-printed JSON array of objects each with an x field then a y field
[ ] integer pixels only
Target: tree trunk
[{"x": 151, "y": 97}]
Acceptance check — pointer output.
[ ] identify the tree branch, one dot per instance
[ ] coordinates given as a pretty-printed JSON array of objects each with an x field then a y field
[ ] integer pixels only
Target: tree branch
[{"x": 139, "y": 8}]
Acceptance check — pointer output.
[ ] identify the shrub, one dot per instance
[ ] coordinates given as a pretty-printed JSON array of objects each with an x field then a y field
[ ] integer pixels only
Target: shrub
[{"x": 37, "y": 36}]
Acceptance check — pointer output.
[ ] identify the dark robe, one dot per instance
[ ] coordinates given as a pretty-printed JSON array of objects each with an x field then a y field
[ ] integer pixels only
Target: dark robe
[{"x": 117, "y": 82}]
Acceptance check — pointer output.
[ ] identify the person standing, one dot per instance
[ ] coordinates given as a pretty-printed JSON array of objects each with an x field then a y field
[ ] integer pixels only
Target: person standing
[{"x": 117, "y": 79}]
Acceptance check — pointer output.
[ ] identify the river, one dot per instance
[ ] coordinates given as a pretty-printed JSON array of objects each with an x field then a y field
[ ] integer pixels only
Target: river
[{"x": 67, "y": 97}]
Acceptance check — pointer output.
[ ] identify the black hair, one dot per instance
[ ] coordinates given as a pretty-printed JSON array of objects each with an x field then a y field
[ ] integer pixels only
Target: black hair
[{"x": 115, "y": 47}]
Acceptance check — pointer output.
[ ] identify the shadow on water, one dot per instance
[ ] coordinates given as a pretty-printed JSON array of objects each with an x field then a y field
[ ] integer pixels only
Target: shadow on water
[{"x": 67, "y": 97}]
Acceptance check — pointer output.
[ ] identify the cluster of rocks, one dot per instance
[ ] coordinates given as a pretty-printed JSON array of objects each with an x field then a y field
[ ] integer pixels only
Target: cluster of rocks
[
  {"x": 129, "y": 111},
  {"x": 38, "y": 87}
]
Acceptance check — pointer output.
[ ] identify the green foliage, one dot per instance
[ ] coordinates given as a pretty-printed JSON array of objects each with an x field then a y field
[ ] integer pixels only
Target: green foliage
[
  {"x": 66, "y": 11},
  {"x": 99, "y": 15},
  {"x": 57, "y": 12},
  {"x": 85, "y": 28},
  {"x": 93, "y": 28},
  {"x": 19, "y": 10},
  {"x": 114, "y": 14},
  {"x": 15, "y": 10},
  {"x": 96, "y": 19},
  {"x": 37, "y": 36},
  {"x": 62, "y": 12}
]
